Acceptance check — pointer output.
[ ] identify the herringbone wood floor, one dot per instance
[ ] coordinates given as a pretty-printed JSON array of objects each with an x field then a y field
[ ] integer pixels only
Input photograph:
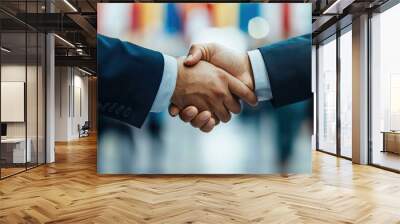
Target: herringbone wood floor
[{"x": 70, "y": 191}]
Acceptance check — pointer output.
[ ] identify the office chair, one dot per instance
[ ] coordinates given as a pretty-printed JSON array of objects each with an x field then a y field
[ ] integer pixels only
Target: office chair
[{"x": 84, "y": 130}]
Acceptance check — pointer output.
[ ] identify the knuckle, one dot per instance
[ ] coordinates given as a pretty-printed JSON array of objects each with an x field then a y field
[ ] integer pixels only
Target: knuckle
[
  {"x": 194, "y": 124},
  {"x": 221, "y": 75},
  {"x": 184, "y": 118},
  {"x": 194, "y": 46},
  {"x": 229, "y": 99},
  {"x": 219, "y": 93}
]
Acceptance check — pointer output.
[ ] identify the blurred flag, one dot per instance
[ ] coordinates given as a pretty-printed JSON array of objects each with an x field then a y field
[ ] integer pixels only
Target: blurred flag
[
  {"x": 151, "y": 16},
  {"x": 247, "y": 12},
  {"x": 225, "y": 14},
  {"x": 286, "y": 20},
  {"x": 267, "y": 22},
  {"x": 135, "y": 17},
  {"x": 173, "y": 20}
]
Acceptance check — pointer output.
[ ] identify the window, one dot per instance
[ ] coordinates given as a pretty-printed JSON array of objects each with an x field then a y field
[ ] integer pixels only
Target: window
[
  {"x": 346, "y": 93},
  {"x": 385, "y": 89},
  {"x": 327, "y": 96}
]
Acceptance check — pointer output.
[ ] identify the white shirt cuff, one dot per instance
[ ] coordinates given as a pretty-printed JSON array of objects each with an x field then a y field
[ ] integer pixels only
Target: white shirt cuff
[
  {"x": 167, "y": 85},
  {"x": 260, "y": 75}
]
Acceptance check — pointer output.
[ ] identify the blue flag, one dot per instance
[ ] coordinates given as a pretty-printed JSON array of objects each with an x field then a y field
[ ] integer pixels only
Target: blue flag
[
  {"x": 247, "y": 11},
  {"x": 173, "y": 22}
]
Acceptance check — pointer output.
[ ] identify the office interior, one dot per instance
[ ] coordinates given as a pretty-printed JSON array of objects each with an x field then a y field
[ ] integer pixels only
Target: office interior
[
  {"x": 49, "y": 83},
  {"x": 45, "y": 89},
  {"x": 335, "y": 74},
  {"x": 48, "y": 77}
]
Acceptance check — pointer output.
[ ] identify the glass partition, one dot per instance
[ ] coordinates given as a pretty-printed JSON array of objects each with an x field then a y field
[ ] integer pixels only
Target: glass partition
[
  {"x": 15, "y": 150},
  {"x": 385, "y": 89},
  {"x": 346, "y": 93},
  {"x": 22, "y": 77},
  {"x": 327, "y": 96}
]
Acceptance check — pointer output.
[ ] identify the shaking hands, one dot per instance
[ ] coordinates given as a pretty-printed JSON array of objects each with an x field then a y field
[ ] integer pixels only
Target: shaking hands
[{"x": 210, "y": 82}]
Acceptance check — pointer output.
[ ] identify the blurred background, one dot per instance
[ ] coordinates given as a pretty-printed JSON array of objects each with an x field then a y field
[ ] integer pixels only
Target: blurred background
[{"x": 259, "y": 140}]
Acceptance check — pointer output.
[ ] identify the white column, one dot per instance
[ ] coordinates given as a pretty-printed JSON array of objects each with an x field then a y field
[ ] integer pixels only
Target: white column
[
  {"x": 50, "y": 99},
  {"x": 360, "y": 90},
  {"x": 50, "y": 92}
]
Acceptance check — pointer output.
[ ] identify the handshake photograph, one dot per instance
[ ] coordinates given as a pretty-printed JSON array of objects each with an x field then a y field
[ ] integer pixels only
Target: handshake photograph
[
  {"x": 185, "y": 112},
  {"x": 204, "y": 88}
]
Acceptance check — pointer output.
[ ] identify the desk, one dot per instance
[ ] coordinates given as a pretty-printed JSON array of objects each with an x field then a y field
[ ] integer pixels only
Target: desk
[
  {"x": 13, "y": 150},
  {"x": 391, "y": 141}
]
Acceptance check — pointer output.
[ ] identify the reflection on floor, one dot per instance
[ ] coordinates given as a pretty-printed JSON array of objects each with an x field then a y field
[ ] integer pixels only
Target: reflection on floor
[
  {"x": 70, "y": 191},
  {"x": 10, "y": 171},
  {"x": 387, "y": 159}
]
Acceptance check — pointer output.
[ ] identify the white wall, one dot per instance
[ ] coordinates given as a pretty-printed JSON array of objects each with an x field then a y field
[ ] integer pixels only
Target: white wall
[
  {"x": 70, "y": 83},
  {"x": 12, "y": 73},
  {"x": 33, "y": 126},
  {"x": 62, "y": 81}
]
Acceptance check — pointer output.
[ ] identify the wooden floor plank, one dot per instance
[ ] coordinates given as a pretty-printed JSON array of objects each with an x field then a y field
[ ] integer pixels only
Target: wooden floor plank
[{"x": 70, "y": 191}]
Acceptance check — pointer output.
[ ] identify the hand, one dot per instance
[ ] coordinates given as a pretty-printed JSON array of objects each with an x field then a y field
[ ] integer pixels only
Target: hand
[
  {"x": 209, "y": 88},
  {"x": 204, "y": 121},
  {"x": 236, "y": 63}
]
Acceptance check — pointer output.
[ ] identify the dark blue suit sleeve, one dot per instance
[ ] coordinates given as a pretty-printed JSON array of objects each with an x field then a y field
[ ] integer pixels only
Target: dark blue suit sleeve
[
  {"x": 128, "y": 81},
  {"x": 288, "y": 65}
]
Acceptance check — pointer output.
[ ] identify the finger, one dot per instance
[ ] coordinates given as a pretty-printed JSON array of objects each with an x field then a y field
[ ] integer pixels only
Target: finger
[
  {"x": 240, "y": 90},
  {"x": 232, "y": 104},
  {"x": 216, "y": 120},
  {"x": 189, "y": 113},
  {"x": 209, "y": 126},
  {"x": 221, "y": 112},
  {"x": 201, "y": 119},
  {"x": 194, "y": 56},
  {"x": 173, "y": 110}
]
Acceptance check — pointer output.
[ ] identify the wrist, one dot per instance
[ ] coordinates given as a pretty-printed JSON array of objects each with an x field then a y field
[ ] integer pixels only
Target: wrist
[
  {"x": 178, "y": 86},
  {"x": 262, "y": 87},
  {"x": 249, "y": 72}
]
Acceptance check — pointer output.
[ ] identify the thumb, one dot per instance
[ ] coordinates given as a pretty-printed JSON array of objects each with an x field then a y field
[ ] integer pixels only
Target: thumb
[
  {"x": 173, "y": 110},
  {"x": 239, "y": 89},
  {"x": 194, "y": 56}
]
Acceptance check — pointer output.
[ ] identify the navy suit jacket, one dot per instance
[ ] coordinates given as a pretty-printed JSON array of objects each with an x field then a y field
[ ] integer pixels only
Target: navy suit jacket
[
  {"x": 130, "y": 75},
  {"x": 288, "y": 65},
  {"x": 129, "y": 78}
]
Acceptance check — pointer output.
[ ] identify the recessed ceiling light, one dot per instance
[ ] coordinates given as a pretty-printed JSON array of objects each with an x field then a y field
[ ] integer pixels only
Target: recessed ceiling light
[
  {"x": 5, "y": 50},
  {"x": 70, "y": 5},
  {"x": 65, "y": 41},
  {"x": 84, "y": 71}
]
